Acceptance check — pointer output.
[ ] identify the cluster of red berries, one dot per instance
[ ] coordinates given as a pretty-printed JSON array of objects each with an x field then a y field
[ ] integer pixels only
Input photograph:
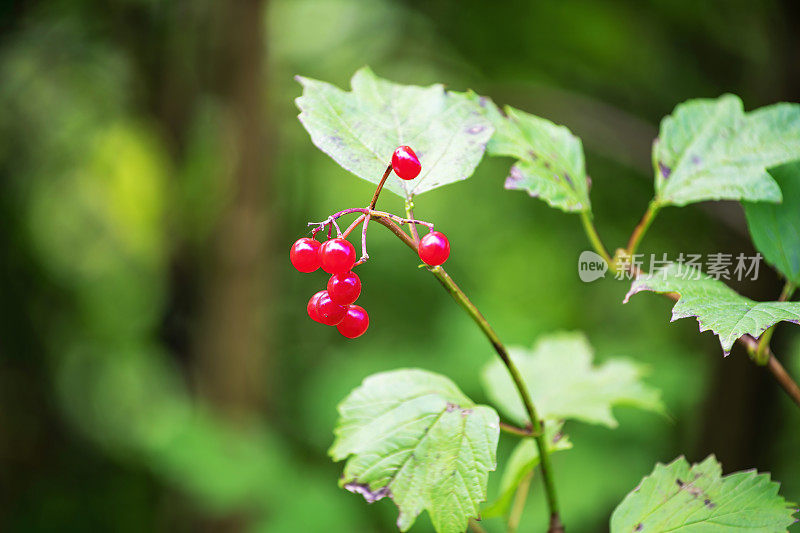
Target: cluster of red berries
[{"x": 335, "y": 306}]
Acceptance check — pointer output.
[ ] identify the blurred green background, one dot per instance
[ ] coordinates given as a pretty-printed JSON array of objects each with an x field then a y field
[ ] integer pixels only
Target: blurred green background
[{"x": 157, "y": 367}]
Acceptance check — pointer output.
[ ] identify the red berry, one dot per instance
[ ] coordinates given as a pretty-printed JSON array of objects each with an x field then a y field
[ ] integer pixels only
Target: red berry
[
  {"x": 312, "y": 309},
  {"x": 304, "y": 254},
  {"x": 330, "y": 313},
  {"x": 434, "y": 248},
  {"x": 338, "y": 256},
  {"x": 355, "y": 322},
  {"x": 405, "y": 163},
  {"x": 344, "y": 289}
]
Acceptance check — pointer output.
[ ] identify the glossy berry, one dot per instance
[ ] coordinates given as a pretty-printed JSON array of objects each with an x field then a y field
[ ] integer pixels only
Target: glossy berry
[
  {"x": 337, "y": 255},
  {"x": 313, "y": 312},
  {"x": 355, "y": 322},
  {"x": 434, "y": 248},
  {"x": 304, "y": 254},
  {"x": 330, "y": 313},
  {"x": 405, "y": 163},
  {"x": 344, "y": 289}
]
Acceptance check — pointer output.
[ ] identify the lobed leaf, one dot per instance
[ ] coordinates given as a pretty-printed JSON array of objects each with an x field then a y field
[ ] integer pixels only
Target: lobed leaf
[
  {"x": 564, "y": 384},
  {"x": 716, "y": 306},
  {"x": 710, "y": 149},
  {"x": 360, "y": 129},
  {"x": 775, "y": 228},
  {"x": 550, "y": 163},
  {"x": 682, "y": 498},
  {"x": 413, "y": 436}
]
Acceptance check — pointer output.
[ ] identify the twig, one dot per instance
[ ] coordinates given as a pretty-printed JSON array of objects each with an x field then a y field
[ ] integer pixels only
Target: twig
[
  {"x": 776, "y": 368},
  {"x": 515, "y": 430},
  {"x": 536, "y": 424},
  {"x": 642, "y": 227},
  {"x": 594, "y": 237},
  {"x": 760, "y": 356},
  {"x": 353, "y": 226}
]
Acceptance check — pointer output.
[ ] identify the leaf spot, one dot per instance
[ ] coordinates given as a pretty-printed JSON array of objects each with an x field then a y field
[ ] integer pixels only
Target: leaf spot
[
  {"x": 664, "y": 169},
  {"x": 369, "y": 495}
]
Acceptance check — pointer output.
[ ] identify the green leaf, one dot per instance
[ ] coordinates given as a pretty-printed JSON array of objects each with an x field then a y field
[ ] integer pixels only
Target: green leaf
[
  {"x": 697, "y": 498},
  {"x": 711, "y": 150},
  {"x": 413, "y": 436},
  {"x": 361, "y": 129},
  {"x": 716, "y": 306},
  {"x": 523, "y": 460},
  {"x": 563, "y": 383},
  {"x": 775, "y": 228},
  {"x": 550, "y": 162}
]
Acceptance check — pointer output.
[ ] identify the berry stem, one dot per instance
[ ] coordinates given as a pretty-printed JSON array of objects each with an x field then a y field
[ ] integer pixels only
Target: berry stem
[
  {"x": 537, "y": 425},
  {"x": 353, "y": 226},
  {"x": 364, "y": 254},
  {"x": 338, "y": 231},
  {"x": 380, "y": 188}
]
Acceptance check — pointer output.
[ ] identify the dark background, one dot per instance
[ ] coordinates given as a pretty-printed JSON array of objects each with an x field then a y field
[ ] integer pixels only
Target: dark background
[{"x": 157, "y": 368}]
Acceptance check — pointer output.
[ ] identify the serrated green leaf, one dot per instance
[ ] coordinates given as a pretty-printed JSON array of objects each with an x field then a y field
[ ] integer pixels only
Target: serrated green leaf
[
  {"x": 698, "y": 499},
  {"x": 361, "y": 129},
  {"x": 709, "y": 149},
  {"x": 716, "y": 306},
  {"x": 523, "y": 460},
  {"x": 775, "y": 228},
  {"x": 563, "y": 383},
  {"x": 413, "y": 436},
  {"x": 550, "y": 163}
]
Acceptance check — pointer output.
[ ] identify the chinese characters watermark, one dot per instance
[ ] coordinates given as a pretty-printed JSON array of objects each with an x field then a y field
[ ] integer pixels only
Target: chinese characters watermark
[{"x": 719, "y": 266}]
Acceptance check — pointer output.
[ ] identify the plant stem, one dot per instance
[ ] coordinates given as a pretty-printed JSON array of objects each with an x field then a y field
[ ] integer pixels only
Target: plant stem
[
  {"x": 594, "y": 237},
  {"x": 642, "y": 227},
  {"x": 783, "y": 378},
  {"x": 353, "y": 226},
  {"x": 761, "y": 356},
  {"x": 776, "y": 368},
  {"x": 514, "y": 430},
  {"x": 537, "y": 425},
  {"x": 519, "y": 503},
  {"x": 380, "y": 188}
]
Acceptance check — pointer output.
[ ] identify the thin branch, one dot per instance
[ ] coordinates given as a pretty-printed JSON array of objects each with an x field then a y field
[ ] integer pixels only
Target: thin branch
[
  {"x": 642, "y": 227},
  {"x": 515, "y": 430},
  {"x": 760, "y": 356},
  {"x": 353, "y": 226},
  {"x": 594, "y": 237},
  {"x": 380, "y": 188},
  {"x": 776, "y": 368},
  {"x": 537, "y": 425}
]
